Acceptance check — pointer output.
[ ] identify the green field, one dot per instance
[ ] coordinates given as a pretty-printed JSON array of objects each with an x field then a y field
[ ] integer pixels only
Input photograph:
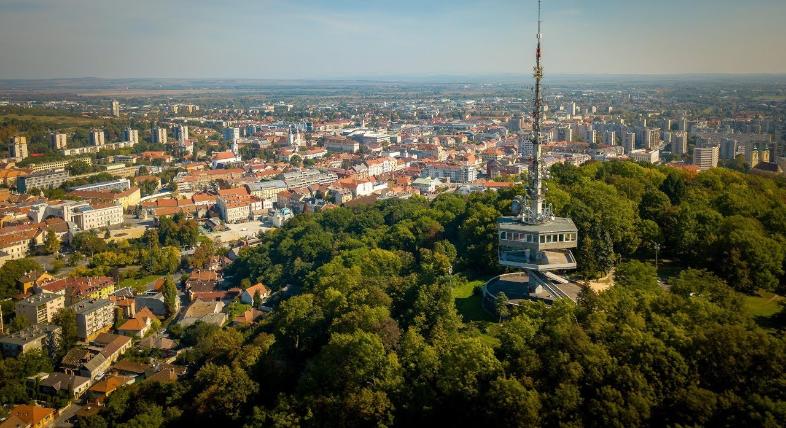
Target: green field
[
  {"x": 762, "y": 307},
  {"x": 468, "y": 305},
  {"x": 53, "y": 120}
]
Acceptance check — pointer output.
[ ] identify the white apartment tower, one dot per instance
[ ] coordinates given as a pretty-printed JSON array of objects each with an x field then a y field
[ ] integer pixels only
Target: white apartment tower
[
  {"x": 17, "y": 148},
  {"x": 96, "y": 137},
  {"x": 159, "y": 135},
  {"x": 58, "y": 141}
]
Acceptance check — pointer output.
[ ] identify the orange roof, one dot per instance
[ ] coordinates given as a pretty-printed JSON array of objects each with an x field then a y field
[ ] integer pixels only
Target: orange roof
[
  {"x": 133, "y": 325},
  {"x": 236, "y": 191},
  {"x": 109, "y": 384},
  {"x": 223, "y": 155},
  {"x": 203, "y": 275},
  {"x": 257, "y": 287},
  {"x": 498, "y": 184},
  {"x": 31, "y": 413}
]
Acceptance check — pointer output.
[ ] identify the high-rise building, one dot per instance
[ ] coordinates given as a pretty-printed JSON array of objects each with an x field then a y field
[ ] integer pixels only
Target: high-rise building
[
  {"x": 610, "y": 138},
  {"x": 131, "y": 135},
  {"x": 574, "y": 109},
  {"x": 115, "y": 108},
  {"x": 630, "y": 142},
  {"x": 728, "y": 149},
  {"x": 679, "y": 144},
  {"x": 651, "y": 138},
  {"x": 516, "y": 122},
  {"x": 705, "y": 157},
  {"x": 96, "y": 137},
  {"x": 17, "y": 148},
  {"x": 592, "y": 136},
  {"x": 231, "y": 134},
  {"x": 159, "y": 135},
  {"x": 181, "y": 132},
  {"x": 57, "y": 141},
  {"x": 684, "y": 124}
]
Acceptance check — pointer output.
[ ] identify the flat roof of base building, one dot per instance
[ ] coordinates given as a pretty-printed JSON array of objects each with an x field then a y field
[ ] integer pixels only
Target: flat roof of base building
[{"x": 557, "y": 224}]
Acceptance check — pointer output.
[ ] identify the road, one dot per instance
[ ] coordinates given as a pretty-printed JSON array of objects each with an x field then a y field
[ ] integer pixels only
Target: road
[{"x": 67, "y": 414}]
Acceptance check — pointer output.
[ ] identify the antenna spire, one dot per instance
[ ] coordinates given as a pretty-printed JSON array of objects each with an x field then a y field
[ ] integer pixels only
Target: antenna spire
[{"x": 537, "y": 210}]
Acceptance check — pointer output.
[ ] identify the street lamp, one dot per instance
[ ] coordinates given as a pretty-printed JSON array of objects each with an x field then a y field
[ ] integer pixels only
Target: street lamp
[{"x": 657, "y": 249}]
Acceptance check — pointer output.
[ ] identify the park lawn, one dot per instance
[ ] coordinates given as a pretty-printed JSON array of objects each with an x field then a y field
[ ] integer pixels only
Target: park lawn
[
  {"x": 468, "y": 304},
  {"x": 138, "y": 284}
]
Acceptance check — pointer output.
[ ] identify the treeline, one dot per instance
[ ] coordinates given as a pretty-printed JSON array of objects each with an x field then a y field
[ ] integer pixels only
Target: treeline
[
  {"x": 374, "y": 339},
  {"x": 729, "y": 222}
]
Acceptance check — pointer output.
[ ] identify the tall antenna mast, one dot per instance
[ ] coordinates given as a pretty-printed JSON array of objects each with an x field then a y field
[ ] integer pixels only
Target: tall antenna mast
[{"x": 536, "y": 210}]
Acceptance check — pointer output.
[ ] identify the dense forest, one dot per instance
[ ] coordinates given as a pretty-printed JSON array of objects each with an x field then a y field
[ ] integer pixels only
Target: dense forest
[{"x": 372, "y": 336}]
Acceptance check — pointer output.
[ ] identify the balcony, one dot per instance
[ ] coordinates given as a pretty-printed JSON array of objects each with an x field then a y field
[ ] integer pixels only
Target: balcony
[{"x": 546, "y": 261}]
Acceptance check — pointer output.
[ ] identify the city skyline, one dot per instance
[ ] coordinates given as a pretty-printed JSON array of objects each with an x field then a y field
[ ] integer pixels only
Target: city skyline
[{"x": 349, "y": 39}]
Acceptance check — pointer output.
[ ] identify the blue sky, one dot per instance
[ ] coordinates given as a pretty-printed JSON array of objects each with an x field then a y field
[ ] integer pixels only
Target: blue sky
[{"x": 350, "y": 38}]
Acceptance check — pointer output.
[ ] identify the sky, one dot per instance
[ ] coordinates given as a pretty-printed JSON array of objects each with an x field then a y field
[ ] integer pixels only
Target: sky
[{"x": 334, "y": 39}]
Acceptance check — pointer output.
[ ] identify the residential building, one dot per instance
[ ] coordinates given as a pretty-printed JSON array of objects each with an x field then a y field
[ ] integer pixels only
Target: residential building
[
  {"x": 93, "y": 317},
  {"x": 204, "y": 311},
  {"x": 97, "y": 137},
  {"x": 126, "y": 198},
  {"x": 105, "y": 387},
  {"x": 17, "y": 148},
  {"x": 426, "y": 184},
  {"x": 248, "y": 295},
  {"x": 33, "y": 415},
  {"x": 58, "y": 164},
  {"x": 131, "y": 135},
  {"x": 115, "y": 108},
  {"x": 153, "y": 302},
  {"x": 35, "y": 337},
  {"x": 158, "y": 135},
  {"x": 41, "y": 180},
  {"x": 74, "y": 385},
  {"x": 80, "y": 288},
  {"x": 266, "y": 189},
  {"x": 341, "y": 145},
  {"x": 180, "y": 133},
  {"x": 706, "y": 157},
  {"x": 139, "y": 325},
  {"x": 648, "y": 156},
  {"x": 58, "y": 141},
  {"x": 455, "y": 173},
  {"x": 728, "y": 149},
  {"x": 380, "y": 165},
  {"x": 231, "y": 134},
  {"x": 96, "y": 149},
  {"x": 679, "y": 144},
  {"x": 115, "y": 185},
  {"x": 40, "y": 308},
  {"x": 307, "y": 177}
]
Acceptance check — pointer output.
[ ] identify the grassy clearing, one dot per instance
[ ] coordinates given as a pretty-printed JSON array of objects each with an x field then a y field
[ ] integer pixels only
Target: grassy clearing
[
  {"x": 138, "y": 284},
  {"x": 468, "y": 304},
  {"x": 57, "y": 121},
  {"x": 763, "y": 306}
]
